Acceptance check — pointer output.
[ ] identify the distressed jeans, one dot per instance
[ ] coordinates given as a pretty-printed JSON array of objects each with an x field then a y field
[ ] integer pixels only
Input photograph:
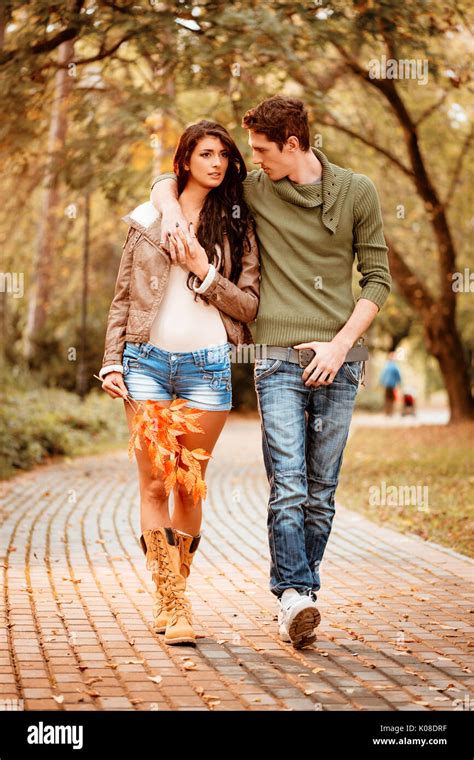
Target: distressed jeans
[{"x": 304, "y": 433}]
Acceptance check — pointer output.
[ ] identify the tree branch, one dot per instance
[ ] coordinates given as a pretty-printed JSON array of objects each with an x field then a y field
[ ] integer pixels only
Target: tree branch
[
  {"x": 46, "y": 46},
  {"x": 431, "y": 109},
  {"x": 426, "y": 190},
  {"x": 458, "y": 168},
  {"x": 103, "y": 53},
  {"x": 391, "y": 157}
]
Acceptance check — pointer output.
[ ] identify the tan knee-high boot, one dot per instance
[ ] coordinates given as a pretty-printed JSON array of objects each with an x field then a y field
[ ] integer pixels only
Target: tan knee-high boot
[
  {"x": 187, "y": 546},
  {"x": 164, "y": 558},
  {"x": 160, "y": 616}
]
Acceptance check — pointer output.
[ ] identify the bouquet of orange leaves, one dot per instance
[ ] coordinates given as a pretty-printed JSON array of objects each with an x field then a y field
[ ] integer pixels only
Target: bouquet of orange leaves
[{"x": 160, "y": 427}]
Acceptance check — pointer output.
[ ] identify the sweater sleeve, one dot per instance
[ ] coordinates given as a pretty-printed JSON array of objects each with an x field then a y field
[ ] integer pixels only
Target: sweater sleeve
[
  {"x": 248, "y": 181},
  {"x": 369, "y": 244},
  {"x": 160, "y": 177}
]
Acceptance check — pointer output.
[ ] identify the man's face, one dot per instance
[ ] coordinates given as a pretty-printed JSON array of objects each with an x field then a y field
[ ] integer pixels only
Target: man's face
[{"x": 276, "y": 163}]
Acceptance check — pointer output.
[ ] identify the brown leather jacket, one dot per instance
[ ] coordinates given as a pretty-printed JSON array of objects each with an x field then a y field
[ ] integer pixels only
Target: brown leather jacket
[{"x": 141, "y": 283}]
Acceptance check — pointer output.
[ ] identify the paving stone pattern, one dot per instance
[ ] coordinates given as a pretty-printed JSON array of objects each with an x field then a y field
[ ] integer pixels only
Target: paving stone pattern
[{"x": 76, "y": 629}]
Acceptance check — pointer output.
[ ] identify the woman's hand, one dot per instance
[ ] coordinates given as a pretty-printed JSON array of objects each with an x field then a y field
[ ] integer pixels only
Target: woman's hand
[
  {"x": 189, "y": 248},
  {"x": 114, "y": 385}
]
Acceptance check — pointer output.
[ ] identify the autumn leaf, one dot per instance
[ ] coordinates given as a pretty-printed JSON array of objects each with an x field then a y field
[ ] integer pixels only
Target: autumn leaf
[
  {"x": 177, "y": 403},
  {"x": 194, "y": 428},
  {"x": 159, "y": 428},
  {"x": 200, "y": 454},
  {"x": 180, "y": 475}
]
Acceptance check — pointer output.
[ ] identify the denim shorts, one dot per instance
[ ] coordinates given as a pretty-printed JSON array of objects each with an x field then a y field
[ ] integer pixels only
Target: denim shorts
[{"x": 202, "y": 377}]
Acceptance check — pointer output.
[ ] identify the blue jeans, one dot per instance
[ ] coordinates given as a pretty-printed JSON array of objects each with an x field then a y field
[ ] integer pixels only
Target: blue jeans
[
  {"x": 202, "y": 377},
  {"x": 304, "y": 432}
]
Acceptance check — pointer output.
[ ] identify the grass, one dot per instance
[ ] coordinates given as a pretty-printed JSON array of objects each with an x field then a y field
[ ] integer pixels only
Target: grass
[{"x": 437, "y": 459}]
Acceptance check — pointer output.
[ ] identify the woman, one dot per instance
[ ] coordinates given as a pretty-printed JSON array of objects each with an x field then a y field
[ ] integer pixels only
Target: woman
[{"x": 178, "y": 306}]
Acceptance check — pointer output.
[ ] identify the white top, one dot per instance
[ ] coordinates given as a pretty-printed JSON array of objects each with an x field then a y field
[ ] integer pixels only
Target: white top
[{"x": 182, "y": 324}]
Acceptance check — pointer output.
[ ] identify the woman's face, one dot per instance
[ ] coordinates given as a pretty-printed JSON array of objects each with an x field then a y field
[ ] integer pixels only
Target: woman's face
[{"x": 208, "y": 163}]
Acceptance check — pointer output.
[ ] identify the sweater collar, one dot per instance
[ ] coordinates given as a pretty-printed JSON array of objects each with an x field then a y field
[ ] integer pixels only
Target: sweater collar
[{"x": 335, "y": 180}]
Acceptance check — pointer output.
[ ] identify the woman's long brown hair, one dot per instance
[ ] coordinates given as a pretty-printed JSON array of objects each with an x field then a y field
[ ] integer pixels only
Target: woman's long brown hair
[{"x": 224, "y": 211}]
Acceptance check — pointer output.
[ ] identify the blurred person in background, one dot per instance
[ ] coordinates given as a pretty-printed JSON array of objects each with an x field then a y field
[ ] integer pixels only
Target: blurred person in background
[{"x": 390, "y": 377}]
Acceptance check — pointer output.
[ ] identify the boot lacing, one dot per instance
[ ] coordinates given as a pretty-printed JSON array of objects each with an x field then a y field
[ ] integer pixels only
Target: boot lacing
[
  {"x": 157, "y": 558},
  {"x": 175, "y": 603}
]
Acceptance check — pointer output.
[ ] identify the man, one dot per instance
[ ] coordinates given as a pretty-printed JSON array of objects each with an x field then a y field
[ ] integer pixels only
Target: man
[{"x": 312, "y": 217}]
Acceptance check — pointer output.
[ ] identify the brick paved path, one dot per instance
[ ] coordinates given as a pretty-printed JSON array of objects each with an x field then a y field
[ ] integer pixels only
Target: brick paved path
[{"x": 76, "y": 606}]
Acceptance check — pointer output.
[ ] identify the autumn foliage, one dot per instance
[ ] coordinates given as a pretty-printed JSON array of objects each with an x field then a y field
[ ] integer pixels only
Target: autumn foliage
[{"x": 159, "y": 427}]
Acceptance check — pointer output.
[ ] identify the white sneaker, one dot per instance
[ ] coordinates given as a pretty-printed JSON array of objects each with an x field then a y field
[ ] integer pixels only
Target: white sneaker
[
  {"x": 298, "y": 616},
  {"x": 282, "y": 629}
]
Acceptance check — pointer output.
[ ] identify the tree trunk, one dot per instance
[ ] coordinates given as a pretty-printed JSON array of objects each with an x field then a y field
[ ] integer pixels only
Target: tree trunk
[
  {"x": 41, "y": 291},
  {"x": 444, "y": 343},
  {"x": 81, "y": 377},
  {"x": 442, "y": 337},
  {"x": 439, "y": 317}
]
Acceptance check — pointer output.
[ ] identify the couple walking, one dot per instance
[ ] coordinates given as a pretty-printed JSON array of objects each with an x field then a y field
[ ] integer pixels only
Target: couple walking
[{"x": 215, "y": 247}]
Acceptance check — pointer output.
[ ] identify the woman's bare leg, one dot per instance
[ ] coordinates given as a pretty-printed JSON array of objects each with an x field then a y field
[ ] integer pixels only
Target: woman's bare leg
[
  {"x": 187, "y": 516},
  {"x": 154, "y": 509}
]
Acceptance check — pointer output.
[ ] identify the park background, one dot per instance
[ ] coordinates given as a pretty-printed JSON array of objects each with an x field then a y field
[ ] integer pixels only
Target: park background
[{"x": 94, "y": 97}]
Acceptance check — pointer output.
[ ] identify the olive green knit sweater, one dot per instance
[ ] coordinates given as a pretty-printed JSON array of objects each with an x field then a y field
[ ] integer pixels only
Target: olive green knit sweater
[{"x": 309, "y": 236}]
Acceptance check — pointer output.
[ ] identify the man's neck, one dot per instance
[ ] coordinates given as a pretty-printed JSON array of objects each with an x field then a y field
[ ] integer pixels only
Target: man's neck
[{"x": 307, "y": 169}]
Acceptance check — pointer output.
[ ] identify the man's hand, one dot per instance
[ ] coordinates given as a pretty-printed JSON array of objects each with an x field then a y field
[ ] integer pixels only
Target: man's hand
[
  {"x": 195, "y": 257},
  {"x": 329, "y": 358},
  {"x": 114, "y": 385},
  {"x": 324, "y": 367}
]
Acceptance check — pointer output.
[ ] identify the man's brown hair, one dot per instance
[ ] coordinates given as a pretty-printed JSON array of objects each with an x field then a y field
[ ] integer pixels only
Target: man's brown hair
[{"x": 278, "y": 118}]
